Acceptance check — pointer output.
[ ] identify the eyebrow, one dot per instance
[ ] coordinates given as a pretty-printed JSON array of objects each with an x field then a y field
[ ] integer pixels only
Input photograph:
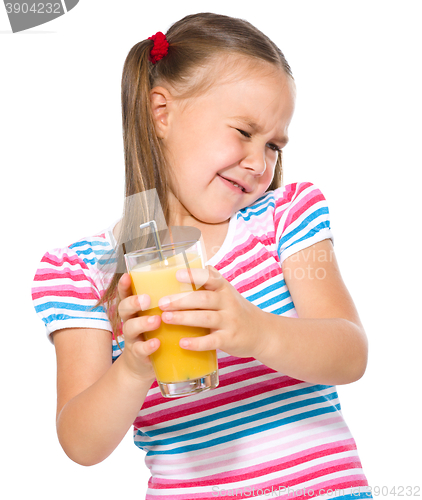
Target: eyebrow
[{"x": 257, "y": 128}]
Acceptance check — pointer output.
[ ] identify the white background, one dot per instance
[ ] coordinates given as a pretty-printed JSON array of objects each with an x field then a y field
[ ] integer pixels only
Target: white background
[{"x": 356, "y": 135}]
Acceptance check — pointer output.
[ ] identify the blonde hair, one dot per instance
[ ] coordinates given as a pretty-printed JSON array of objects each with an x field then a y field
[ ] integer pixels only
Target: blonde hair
[{"x": 194, "y": 42}]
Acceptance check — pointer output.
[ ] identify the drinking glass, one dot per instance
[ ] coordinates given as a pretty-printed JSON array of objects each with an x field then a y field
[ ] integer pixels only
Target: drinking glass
[{"x": 179, "y": 372}]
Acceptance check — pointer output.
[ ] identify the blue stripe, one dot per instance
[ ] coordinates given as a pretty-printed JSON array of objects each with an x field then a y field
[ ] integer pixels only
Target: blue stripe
[
  {"x": 274, "y": 300},
  {"x": 239, "y": 410},
  {"x": 116, "y": 351},
  {"x": 67, "y": 305},
  {"x": 352, "y": 496},
  {"x": 271, "y": 288},
  {"x": 283, "y": 309},
  {"x": 266, "y": 200},
  {"x": 311, "y": 233},
  {"x": 116, "y": 347},
  {"x": 61, "y": 317},
  {"x": 255, "y": 213},
  {"x": 109, "y": 257},
  {"x": 98, "y": 254},
  {"x": 89, "y": 243},
  {"x": 304, "y": 223},
  {"x": 90, "y": 250},
  {"x": 271, "y": 301},
  {"x": 242, "y": 434},
  {"x": 90, "y": 261}
]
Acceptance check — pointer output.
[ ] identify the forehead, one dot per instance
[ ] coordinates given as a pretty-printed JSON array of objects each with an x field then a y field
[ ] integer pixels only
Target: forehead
[
  {"x": 237, "y": 76},
  {"x": 231, "y": 69},
  {"x": 253, "y": 90},
  {"x": 221, "y": 70}
]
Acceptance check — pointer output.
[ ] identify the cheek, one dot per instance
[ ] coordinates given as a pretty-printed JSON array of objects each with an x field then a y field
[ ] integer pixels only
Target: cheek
[
  {"x": 271, "y": 162},
  {"x": 231, "y": 151},
  {"x": 272, "y": 157}
]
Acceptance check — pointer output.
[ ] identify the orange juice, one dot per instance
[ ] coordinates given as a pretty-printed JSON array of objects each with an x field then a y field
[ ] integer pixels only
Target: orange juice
[{"x": 172, "y": 363}]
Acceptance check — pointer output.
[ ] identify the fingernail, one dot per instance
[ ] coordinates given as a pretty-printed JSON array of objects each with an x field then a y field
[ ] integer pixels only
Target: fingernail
[
  {"x": 141, "y": 300},
  {"x": 151, "y": 319},
  {"x": 184, "y": 343},
  {"x": 168, "y": 315},
  {"x": 163, "y": 302}
]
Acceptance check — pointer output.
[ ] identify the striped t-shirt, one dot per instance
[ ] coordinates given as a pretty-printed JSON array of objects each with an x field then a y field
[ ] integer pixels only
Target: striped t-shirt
[{"x": 260, "y": 433}]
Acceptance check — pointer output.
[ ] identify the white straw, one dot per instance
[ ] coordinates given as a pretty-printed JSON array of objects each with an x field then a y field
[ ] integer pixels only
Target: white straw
[{"x": 152, "y": 224}]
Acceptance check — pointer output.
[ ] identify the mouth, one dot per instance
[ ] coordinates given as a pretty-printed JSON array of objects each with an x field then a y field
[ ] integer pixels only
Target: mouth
[{"x": 233, "y": 184}]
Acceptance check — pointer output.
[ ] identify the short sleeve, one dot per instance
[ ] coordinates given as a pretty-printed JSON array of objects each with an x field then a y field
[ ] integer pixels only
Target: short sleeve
[
  {"x": 301, "y": 218},
  {"x": 65, "y": 292}
]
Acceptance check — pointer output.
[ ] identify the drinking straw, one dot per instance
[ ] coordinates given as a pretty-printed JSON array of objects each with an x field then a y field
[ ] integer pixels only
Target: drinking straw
[
  {"x": 153, "y": 225},
  {"x": 186, "y": 262}
]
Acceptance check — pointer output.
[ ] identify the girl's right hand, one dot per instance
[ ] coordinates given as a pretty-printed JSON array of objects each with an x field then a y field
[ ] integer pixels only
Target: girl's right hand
[{"x": 136, "y": 351}]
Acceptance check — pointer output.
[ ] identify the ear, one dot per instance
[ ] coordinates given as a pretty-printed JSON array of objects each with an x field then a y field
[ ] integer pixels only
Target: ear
[{"x": 160, "y": 99}]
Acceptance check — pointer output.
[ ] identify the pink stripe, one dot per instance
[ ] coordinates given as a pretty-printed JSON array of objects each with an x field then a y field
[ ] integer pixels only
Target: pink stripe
[
  {"x": 61, "y": 288},
  {"x": 283, "y": 203},
  {"x": 229, "y": 361},
  {"x": 250, "y": 263},
  {"x": 193, "y": 408},
  {"x": 303, "y": 205},
  {"x": 354, "y": 482},
  {"x": 225, "y": 380},
  {"x": 284, "y": 434},
  {"x": 308, "y": 474},
  {"x": 263, "y": 453},
  {"x": 244, "y": 247},
  {"x": 59, "y": 273},
  {"x": 260, "y": 277},
  {"x": 76, "y": 275},
  {"x": 280, "y": 484},
  {"x": 156, "y": 399},
  {"x": 53, "y": 293},
  {"x": 340, "y": 483},
  {"x": 65, "y": 258}
]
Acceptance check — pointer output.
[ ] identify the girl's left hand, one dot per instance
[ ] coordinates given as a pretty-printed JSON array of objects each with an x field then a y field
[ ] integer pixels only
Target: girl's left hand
[{"x": 234, "y": 322}]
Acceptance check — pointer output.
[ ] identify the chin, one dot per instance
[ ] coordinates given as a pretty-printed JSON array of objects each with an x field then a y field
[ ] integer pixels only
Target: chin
[{"x": 215, "y": 218}]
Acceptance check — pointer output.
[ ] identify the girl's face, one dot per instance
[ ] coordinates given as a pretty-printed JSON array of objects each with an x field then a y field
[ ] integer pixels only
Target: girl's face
[{"x": 234, "y": 131}]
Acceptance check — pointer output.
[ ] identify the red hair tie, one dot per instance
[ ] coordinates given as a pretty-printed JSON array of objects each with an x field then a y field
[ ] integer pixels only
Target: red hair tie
[{"x": 160, "y": 47}]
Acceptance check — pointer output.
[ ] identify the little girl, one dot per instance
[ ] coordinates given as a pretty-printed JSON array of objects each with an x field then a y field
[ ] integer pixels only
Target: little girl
[{"x": 206, "y": 111}]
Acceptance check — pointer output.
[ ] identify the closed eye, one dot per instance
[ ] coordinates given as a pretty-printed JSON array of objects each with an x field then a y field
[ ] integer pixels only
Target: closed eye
[
  {"x": 274, "y": 147},
  {"x": 246, "y": 134}
]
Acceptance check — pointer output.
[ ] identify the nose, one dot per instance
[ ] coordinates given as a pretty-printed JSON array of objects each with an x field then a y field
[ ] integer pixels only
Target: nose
[{"x": 256, "y": 161}]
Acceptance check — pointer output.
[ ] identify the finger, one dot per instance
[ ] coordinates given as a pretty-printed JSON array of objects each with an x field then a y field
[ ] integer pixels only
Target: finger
[
  {"x": 209, "y": 277},
  {"x": 146, "y": 348},
  {"x": 209, "y": 342},
  {"x": 200, "y": 319},
  {"x": 132, "y": 305},
  {"x": 124, "y": 287},
  {"x": 133, "y": 328},
  {"x": 200, "y": 299}
]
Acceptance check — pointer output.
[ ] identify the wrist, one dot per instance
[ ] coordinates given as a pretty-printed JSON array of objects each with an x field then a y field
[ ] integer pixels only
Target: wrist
[
  {"x": 131, "y": 370},
  {"x": 261, "y": 334}
]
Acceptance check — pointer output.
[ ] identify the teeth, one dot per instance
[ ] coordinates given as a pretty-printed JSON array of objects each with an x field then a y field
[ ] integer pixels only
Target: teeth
[{"x": 237, "y": 185}]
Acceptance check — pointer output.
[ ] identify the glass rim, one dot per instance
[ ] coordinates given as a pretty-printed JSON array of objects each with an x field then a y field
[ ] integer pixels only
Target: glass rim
[{"x": 164, "y": 248}]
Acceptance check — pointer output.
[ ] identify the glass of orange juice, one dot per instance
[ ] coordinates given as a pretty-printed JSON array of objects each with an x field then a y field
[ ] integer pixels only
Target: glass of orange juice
[{"x": 179, "y": 372}]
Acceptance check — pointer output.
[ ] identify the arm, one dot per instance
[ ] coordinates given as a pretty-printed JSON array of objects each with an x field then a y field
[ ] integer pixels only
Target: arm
[
  {"x": 98, "y": 401},
  {"x": 325, "y": 345}
]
